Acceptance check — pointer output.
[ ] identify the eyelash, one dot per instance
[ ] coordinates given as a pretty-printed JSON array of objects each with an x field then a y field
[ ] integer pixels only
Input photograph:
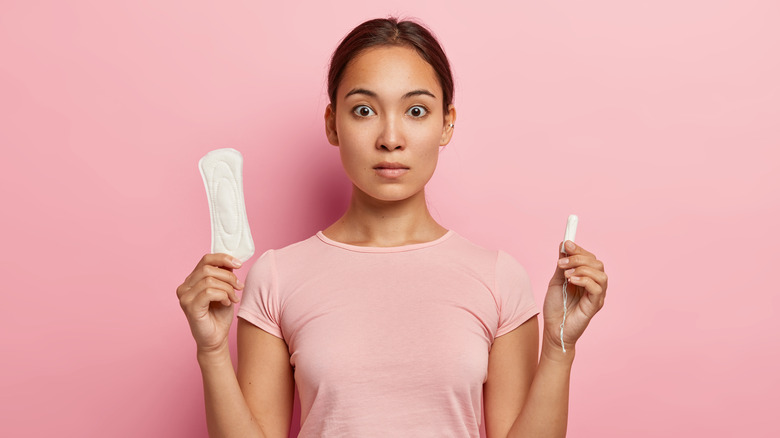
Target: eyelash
[
  {"x": 357, "y": 108},
  {"x": 421, "y": 107},
  {"x": 424, "y": 110}
]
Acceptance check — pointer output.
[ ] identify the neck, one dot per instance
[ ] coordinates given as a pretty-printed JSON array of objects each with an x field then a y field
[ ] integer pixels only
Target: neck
[{"x": 372, "y": 222}]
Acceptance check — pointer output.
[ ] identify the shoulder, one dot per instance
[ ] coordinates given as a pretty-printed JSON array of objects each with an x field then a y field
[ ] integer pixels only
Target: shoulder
[
  {"x": 495, "y": 260},
  {"x": 462, "y": 247},
  {"x": 269, "y": 261},
  {"x": 501, "y": 267}
]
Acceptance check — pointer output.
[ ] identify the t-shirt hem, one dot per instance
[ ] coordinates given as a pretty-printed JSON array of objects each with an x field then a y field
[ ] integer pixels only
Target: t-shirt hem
[
  {"x": 260, "y": 323},
  {"x": 525, "y": 315}
]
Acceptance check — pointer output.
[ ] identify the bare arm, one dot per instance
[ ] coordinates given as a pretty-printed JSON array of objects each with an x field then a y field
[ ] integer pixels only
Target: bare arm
[
  {"x": 511, "y": 368},
  {"x": 266, "y": 378},
  {"x": 258, "y": 401},
  {"x": 520, "y": 402},
  {"x": 547, "y": 408},
  {"x": 227, "y": 412},
  {"x": 539, "y": 409}
]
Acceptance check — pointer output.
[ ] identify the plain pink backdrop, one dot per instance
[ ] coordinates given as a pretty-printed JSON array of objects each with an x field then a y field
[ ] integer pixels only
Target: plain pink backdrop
[{"x": 657, "y": 122}]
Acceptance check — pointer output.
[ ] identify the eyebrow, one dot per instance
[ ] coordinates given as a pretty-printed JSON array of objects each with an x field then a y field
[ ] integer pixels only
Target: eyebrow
[{"x": 420, "y": 92}]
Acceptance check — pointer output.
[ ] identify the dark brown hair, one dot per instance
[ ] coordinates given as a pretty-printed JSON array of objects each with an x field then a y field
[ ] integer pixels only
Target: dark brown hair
[{"x": 391, "y": 32}]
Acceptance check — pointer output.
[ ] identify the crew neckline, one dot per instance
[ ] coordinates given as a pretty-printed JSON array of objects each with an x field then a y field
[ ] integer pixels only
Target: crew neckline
[{"x": 384, "y": 249}]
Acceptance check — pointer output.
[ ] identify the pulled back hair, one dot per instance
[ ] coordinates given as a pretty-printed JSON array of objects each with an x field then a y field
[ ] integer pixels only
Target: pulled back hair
[{"x": 391, "y": 32}]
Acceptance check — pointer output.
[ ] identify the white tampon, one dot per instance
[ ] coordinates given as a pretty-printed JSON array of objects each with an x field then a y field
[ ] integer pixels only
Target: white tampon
[
  {"x": 571, "y": 232},
  {"x": 221, "y": 170}
]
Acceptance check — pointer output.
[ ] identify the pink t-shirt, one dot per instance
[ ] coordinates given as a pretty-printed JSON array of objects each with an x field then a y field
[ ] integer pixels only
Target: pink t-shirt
[{"x": 388, "y": 341}]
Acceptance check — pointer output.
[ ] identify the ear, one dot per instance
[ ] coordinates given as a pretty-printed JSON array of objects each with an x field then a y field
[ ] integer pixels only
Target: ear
[
  {"x": 447, "y": 131},
  {"x": 330, "y": 125}
]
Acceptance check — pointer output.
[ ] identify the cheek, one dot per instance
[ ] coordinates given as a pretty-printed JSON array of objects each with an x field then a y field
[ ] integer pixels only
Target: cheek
[
  {"x": 430, "y": 143},
  {"x": 353, "y": 132},
  {"x": 429, "y": 153},
  {"x": 432, "y": 159},
  {"x": 350, "y": 158},
  {"x": 350, "y": 141},
  {"x": 354, "y": 158}
]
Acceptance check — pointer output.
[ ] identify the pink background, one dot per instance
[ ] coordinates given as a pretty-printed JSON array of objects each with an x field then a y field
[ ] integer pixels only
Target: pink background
[{"x": 657, "y": 122}]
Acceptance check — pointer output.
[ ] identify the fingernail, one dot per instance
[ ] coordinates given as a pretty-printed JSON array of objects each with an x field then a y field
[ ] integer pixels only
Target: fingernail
[
  {"x": 240, "y": 284},
  {"x": 563, "y": 262},
  {"x": 574, "y": 278},
  {"x": 236, "y": 263},
  {"x": 569, "y": 271},
  {"x": 570, "y": 245}
]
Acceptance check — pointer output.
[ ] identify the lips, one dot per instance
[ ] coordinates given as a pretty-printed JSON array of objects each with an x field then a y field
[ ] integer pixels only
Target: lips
[
  {"x": 390, "y": 170},
  {"x": 386, "y": 165}
]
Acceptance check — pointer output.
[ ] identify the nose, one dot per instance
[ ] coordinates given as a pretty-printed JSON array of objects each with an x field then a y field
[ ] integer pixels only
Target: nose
[{"x": 391, "y": 138}]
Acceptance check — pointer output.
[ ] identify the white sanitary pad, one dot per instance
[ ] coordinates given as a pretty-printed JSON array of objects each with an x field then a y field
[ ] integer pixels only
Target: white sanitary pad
[{"x": 221, "y": 171}]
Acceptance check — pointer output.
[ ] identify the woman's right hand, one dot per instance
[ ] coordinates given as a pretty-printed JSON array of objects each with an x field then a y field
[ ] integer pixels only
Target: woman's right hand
[{"x": 207, "y": 297}]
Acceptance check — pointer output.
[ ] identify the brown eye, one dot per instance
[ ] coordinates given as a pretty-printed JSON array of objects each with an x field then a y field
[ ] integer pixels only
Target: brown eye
[
  {"x": 363, "y": 111},
  {"x": 417, "y": 111}
]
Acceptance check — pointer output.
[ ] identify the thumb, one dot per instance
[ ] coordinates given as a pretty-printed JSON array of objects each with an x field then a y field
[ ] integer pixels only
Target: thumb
[{"x": 558, "y": 276}]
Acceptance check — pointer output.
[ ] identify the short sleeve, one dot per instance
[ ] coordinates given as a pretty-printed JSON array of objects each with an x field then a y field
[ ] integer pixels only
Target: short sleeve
[
  {"x": 514, "y": 295},
  {"x": 260, "y": 303}
]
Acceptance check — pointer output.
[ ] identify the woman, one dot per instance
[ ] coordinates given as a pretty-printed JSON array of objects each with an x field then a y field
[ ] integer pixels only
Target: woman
[{"x": 389, "y": 324}]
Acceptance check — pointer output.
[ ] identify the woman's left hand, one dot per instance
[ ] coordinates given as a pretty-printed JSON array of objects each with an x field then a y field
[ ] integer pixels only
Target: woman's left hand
[{"x": 585, "y": 295}]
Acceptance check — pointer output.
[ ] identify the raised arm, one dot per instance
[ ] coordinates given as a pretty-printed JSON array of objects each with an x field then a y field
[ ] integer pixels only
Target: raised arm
[
  {"x": 523, "y": 403},
  {"x": 261, "y": 404}
]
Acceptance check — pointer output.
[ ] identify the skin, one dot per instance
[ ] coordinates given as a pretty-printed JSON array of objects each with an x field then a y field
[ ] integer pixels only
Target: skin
[
  {"x": 396, "y": 127},
  {"x": 388, "y": 109}
]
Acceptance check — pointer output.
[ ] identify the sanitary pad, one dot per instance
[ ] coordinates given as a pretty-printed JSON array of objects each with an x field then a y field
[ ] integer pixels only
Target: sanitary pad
[{"x": 221, "y": 171}]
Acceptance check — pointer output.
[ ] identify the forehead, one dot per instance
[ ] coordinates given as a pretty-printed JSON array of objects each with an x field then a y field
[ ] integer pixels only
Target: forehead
[{"x": 389, "y": 70}]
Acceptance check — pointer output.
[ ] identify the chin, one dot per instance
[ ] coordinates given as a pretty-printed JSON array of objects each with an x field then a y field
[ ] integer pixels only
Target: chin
[{"x": 395, "y": 194}]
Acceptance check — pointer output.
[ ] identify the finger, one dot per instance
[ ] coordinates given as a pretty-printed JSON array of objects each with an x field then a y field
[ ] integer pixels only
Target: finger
[
  {"x": 213, "y": 283},
  {"x": 558, "y": 276},
  {"x": 588, "y": 284},
  {"x": 222, "y": 274},
  {"x": 182, "y": 289},
  {"x": 574, "y": 249},
  {"x": 560, "y": 246},
  {"x": 574, "y": 261},
  {"x": 211, "y": 295},
  {"x": 220, "y": 260},
  {"x": 197, "y": 305},
  {"x": 586, "y": 271}
]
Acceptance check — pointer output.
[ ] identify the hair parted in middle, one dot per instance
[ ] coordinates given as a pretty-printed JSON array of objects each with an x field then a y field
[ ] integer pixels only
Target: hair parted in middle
[{"x": 391, "y": 32}]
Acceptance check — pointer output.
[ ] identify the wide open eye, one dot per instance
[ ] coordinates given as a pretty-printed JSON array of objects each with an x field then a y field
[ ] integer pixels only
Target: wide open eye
[
  {"x": 417, "y": 111},
  {"x": 363, "y": 111}
]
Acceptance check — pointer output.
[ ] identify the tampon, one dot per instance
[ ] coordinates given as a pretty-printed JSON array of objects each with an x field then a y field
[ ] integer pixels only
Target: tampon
[
  {"x": 569, "y": 234},
  {"x": 571, "y": 231}
]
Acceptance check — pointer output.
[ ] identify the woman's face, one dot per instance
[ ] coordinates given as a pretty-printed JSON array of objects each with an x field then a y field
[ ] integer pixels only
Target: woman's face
[{"x": 389, "y": 122}]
